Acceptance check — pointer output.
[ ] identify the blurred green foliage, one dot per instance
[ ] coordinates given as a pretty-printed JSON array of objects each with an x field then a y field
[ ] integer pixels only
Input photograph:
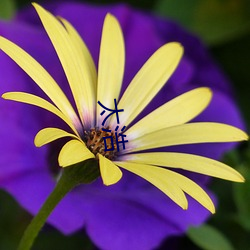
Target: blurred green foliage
[
  {"x": 202, "y": 237},
  {"x": 224, "y": 25},
  {"x": 7, "y": 8},
  {"x": 216, "y": 21}
]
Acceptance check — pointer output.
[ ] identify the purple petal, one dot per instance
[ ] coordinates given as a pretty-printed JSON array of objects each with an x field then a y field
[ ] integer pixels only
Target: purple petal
[
  {"x": 142, "y": 220},
  {"x": 132, "y": 212}
]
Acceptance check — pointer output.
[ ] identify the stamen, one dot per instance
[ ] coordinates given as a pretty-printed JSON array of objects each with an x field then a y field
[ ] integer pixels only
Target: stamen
[{"x": 95, "y": 143}]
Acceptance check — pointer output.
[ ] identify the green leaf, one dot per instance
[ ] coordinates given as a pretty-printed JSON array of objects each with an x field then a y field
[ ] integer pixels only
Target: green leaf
[
  {"x": 209, "y": 238},
  {"x": 215, "y": 21},
  {"x": 7, "y": 9}
]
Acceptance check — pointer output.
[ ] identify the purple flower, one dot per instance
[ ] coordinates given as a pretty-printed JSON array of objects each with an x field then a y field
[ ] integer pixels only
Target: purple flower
[{"x": 131, "y": 212}]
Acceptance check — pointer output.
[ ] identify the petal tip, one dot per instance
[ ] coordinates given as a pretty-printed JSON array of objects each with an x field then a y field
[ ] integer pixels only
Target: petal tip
[
  {"x": 212, "y": 210},
  {"x": 209, "y": 91},
  {"x": 36, "y": 5},
  {"x": 113, "y": 181},
  {"x": 239, "y": 178},
  {"x": 110, "y": 16},
  {"x": 4, "y": 96},
  {"x": 246, "y": 136},
  {"x": 243, "y": 136},
  {"x": 185, "y": 206},
  {"x": 110, "y": 172},
  {"x": 177, "y": 45},
  {"x": 36, "y": 143},
  {"x": 110, "y": 19},
  {"x": 210, "y": 207}
]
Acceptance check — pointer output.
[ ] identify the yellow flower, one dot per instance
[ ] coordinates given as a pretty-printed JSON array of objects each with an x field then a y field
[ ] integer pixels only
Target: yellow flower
[{"x": 165, "y": 126}]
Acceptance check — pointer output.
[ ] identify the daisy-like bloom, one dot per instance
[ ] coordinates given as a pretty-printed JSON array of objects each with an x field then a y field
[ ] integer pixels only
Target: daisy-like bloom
[
  {"x": 165, "y": 126},
  {"x": 132, "y": 213}
]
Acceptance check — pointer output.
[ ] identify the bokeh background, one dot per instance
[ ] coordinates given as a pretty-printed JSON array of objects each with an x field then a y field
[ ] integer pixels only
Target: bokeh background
[{"x": 224, "y": 27}]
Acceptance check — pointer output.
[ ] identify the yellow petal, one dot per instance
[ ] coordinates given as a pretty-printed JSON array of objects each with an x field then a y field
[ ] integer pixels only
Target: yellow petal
[
  {"x": 191, "y": 188},
  {"x": 71, "y": 59},
  {"x": 178, "y": 111},
  {"x": 194, "y": 163},
  {"x": 48, "y": 135},
  {"x": 86, "y": 58},
  {"x": 159, "y": 178},
  {"x": 189, "y": 133},
  {"x": 39, "y": 102},
  {"x": 171, "y": 184},
  {"x": 110, "y": 173},
  {"x": 42, "y": 78},
  {"x": 149, "y": 80},
  {"x": 73, "y": 152},
  {"x": 111, "y": 64}
]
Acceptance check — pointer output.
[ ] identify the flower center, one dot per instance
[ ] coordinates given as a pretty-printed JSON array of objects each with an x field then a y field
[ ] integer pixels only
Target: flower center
[{"x": 95, "y": 142}]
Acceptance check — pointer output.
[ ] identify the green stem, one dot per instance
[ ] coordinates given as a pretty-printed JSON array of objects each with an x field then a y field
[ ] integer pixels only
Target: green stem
[
  {"x": 72, "y": 176},
  {"x": 39, "y": 220}
]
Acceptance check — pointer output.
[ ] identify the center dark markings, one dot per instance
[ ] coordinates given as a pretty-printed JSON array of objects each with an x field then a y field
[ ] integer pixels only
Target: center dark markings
[{"x": 95, "y": 142}]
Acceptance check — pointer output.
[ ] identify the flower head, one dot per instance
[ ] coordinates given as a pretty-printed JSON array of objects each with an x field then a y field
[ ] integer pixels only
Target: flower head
[
  {"x": 165, "y": 126},
  {"x": 93, "y": 205}
]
